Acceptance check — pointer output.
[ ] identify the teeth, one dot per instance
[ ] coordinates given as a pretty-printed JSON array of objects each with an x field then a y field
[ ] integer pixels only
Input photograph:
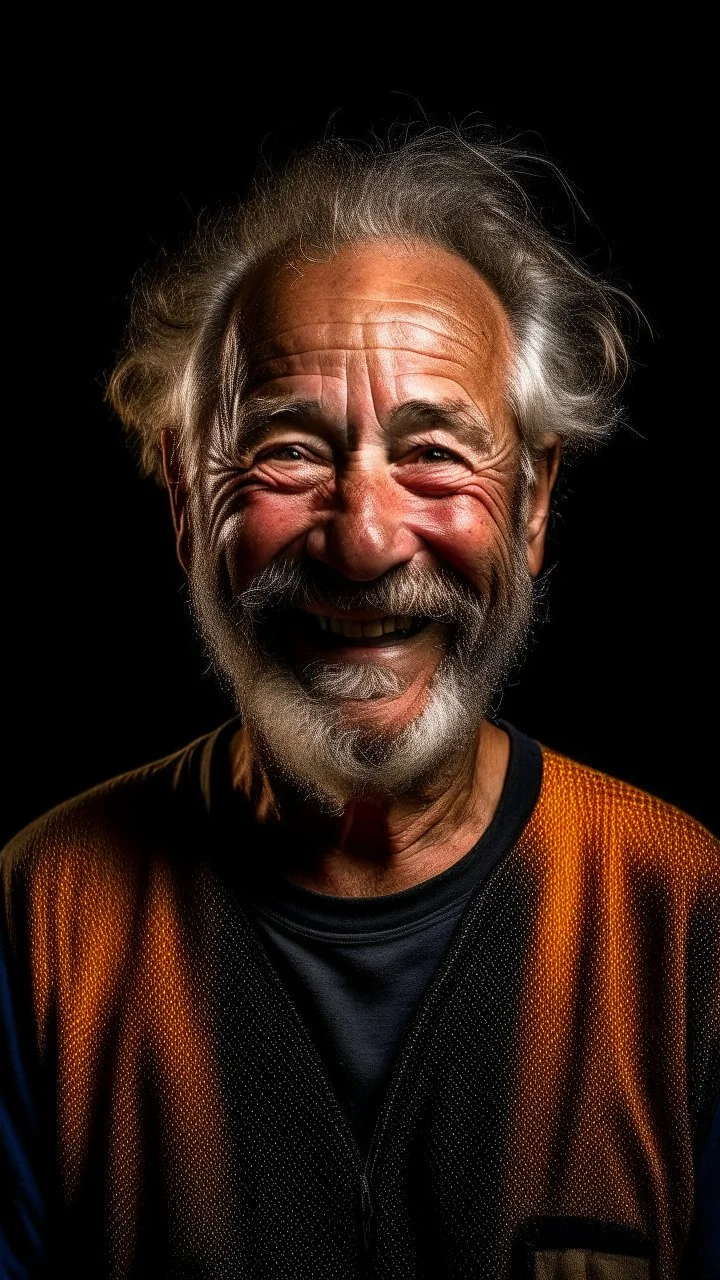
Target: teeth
[{"x": 355, "y": 630}]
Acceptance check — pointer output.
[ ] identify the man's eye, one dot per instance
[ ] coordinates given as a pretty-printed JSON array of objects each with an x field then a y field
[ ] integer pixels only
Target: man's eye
[
  {"x": 435, "y": 454},
  {"x": 285, "y": 453}
]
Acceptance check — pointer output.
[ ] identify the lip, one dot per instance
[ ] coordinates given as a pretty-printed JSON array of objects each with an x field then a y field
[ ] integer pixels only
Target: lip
[
  {"x": 367, "y": 651},
  {"x": 337, "y": 647}
]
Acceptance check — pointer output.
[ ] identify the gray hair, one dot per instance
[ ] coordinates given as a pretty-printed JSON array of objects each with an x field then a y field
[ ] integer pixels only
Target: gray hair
[{"x": 184, "y": 363}]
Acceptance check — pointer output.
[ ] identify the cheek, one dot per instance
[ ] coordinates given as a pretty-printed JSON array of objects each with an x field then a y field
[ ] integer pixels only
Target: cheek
[
  {"x": 268, "y": 525},
  {"x": 466, "y": 534}
]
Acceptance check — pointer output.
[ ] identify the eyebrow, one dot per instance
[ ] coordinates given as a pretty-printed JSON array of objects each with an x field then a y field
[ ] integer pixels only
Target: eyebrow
[
  {"x": 259, "y": 414},
  {"x": 468, "y": 425}
]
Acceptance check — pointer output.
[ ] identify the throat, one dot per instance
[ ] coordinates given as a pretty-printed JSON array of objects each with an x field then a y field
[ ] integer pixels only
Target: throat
[{"x": 372, "y": 850}]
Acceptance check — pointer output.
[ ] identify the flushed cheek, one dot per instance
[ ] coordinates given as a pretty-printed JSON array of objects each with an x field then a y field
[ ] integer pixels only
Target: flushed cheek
[
  {"x": 466, "y": 534},
  {"x": 268, "y": 525}
]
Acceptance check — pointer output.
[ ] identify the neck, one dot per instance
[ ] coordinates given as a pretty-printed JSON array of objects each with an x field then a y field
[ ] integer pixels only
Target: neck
[{"x": 378, "y": 845}]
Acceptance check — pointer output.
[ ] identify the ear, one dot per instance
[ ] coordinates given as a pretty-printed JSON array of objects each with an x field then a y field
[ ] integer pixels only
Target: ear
[
  {"x": 546, "y": 469},
  {"x": 177, "y": 492}
]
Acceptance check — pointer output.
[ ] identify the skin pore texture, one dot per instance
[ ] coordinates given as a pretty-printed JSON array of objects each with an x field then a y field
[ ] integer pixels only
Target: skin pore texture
[{"x": 376, "y": 435}]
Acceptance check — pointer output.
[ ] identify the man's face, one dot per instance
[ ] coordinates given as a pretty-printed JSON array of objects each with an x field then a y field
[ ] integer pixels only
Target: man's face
[{"x": 376, "y": 452}]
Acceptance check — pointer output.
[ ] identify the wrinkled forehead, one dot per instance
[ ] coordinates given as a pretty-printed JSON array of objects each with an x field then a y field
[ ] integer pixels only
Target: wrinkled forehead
[{"x": 414, "y": 306}]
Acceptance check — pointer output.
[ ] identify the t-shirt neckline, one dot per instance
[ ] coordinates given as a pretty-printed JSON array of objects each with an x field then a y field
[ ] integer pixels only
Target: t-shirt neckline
[{"x": 328, "y": 914}]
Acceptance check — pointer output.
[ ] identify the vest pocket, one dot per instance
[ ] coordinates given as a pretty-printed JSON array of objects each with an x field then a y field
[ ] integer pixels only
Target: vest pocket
[
  {"x": 561, "y": 1248},
  {"x": 587, "y": 1264}
]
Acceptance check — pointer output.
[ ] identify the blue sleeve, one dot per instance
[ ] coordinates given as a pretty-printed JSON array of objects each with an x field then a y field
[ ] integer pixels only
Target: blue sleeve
[
  {"x": 703, "y": 1261},
  {"x": 22, "y": 1209}
]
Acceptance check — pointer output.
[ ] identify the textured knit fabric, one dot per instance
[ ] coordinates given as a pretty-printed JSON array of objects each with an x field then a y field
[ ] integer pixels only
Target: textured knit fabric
[{"x": 552, "y": 1094}]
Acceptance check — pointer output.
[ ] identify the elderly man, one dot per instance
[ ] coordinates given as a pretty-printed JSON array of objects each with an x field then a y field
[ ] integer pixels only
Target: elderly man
[{"x": 365, "y": 983}]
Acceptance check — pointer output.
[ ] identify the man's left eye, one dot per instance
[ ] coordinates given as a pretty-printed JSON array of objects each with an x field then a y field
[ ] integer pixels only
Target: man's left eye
[{"x": 436, "y": 454}]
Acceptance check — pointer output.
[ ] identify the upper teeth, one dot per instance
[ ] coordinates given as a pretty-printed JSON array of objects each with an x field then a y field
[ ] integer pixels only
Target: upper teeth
[{"x": 378, "y": 627}]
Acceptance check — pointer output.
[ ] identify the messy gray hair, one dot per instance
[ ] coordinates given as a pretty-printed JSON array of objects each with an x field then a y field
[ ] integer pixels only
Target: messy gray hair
[{"x": 184, "y": 363}]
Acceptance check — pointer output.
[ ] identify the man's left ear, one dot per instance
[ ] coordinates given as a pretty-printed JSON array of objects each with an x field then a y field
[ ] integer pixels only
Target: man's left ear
[
  {"x": 177, "y": 492},
  {"x": 546, "y": 469}
]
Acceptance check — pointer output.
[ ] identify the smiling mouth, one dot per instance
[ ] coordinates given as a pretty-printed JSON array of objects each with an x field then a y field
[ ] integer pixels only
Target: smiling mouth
[{"x": 334, "y": 631}]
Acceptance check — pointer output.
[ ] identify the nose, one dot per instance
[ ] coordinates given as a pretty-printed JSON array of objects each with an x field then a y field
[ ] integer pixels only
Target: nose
[{"x": 363, "y": 535}]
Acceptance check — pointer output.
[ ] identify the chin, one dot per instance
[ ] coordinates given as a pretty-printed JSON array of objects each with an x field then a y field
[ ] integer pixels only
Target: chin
[
  {"x": 338, "y": 753},
  {"x": 387, "y": 717}
]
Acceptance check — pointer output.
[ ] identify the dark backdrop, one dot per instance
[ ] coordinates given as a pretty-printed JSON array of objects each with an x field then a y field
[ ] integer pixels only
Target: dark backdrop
[{"x": 112, "y": 162}]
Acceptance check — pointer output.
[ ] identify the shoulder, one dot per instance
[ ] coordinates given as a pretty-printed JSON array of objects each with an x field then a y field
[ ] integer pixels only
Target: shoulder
[
  {"x": 617, "y": 823},
  {"x": 114, "y": 824},
  {"x": 98, "y": 881}
]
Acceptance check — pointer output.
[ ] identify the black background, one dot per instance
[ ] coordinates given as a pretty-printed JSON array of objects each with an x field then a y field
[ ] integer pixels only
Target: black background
[{"x": 115, "y": 156}]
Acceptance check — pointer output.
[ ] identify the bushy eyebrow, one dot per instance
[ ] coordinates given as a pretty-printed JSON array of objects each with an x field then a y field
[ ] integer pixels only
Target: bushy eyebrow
[
  {"x": 467, "y": 425},
  {"x": 259, "y": 414}
]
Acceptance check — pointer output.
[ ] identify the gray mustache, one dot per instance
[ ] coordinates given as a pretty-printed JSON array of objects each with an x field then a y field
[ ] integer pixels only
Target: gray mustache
[{"x": 439, "y": 594}]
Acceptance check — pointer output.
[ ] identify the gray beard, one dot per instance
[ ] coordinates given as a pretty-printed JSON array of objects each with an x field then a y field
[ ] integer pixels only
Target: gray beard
[{"x": 294, "y": 717}]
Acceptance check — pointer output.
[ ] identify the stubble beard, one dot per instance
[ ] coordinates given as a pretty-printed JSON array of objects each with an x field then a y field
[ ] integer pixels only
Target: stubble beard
[{"x": 295, "y": 717}]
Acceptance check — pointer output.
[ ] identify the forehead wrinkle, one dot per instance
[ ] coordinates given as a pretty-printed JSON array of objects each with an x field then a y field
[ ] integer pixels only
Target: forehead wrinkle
[
  {"x": 283, "y": 366},
  {"x": 287, "y": 341},
  {"x": 451, "y": 312},
  {"x": 384, "y": 276}
]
